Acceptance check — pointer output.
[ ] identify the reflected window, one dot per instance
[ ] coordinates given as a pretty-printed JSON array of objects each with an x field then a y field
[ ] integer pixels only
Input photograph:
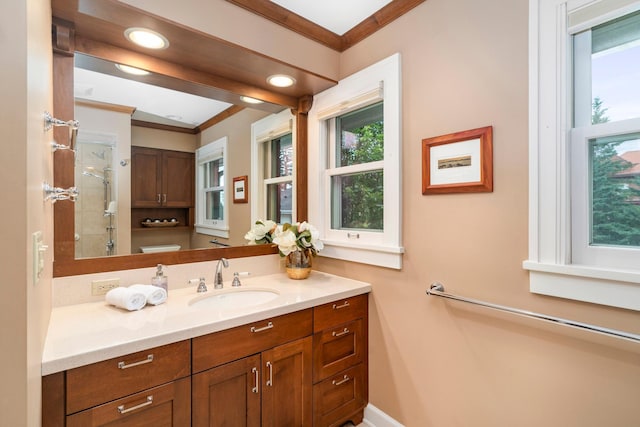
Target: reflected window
[
  {"x": 278, "y": 179},
  {"x": 273, "y": 163},
  {"x": 211, "y": 205}
]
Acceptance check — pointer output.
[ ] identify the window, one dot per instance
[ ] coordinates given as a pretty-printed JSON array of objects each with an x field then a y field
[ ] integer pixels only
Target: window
[
  {"x": 273, "y": 162},
  {"x": 211, "y": 203},
  {"x": 278, "y": 178},
  {"x": 585, "y": 151},
  {"x": 354, "y": 141}
]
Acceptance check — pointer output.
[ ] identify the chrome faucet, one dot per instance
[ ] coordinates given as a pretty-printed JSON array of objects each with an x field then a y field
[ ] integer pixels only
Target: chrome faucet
[{"x": 217, "y": 282}]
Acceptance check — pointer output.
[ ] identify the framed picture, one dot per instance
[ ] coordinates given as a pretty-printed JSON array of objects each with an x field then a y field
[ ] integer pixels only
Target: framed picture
[
  {"x": 460, "y": 162},
  {"x": 240, "y": 189}
]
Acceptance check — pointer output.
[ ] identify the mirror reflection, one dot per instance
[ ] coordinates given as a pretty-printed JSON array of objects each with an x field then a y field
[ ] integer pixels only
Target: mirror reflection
[{"x": 151, "y": 168}]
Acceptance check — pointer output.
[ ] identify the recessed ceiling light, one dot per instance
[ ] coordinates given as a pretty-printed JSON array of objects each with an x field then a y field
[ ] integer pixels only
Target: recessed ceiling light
[
  {"x": 132, "y": 70},
  {"x": 146, "y": 38},
  {"x": 250, "y": 100},
  {"x": 281, "y": 80}
]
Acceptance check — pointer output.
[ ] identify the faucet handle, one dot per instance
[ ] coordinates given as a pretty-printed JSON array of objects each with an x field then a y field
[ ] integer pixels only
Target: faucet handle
[
  {"x": 202, "y": 286},
  {"x": 236, "y": 278}
]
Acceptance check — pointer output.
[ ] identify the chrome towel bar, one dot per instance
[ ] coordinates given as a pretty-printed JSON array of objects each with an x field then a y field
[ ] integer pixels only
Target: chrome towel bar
[{"x": 437, "y": 289}]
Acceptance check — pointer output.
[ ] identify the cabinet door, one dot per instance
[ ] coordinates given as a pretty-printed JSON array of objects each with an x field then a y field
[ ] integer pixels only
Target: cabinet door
[
  {"x": 228, "y": 395},
  {"x": 164, "y": 406},
  {"x": 146, "y": 177},
  {"x": 178, "y": 179},
  {"x": 286, "y": 391}
]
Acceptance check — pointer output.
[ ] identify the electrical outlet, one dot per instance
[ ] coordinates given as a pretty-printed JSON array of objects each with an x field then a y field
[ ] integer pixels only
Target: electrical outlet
[{"x": 101, "y": 287}]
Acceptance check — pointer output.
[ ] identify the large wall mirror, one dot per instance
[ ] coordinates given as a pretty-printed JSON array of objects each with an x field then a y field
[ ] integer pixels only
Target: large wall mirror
[{"x": 88, "y": 38}]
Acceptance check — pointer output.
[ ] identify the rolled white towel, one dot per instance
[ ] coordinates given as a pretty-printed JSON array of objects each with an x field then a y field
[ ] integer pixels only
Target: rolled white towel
[
  {"x": 126, "y": 298},
  {"x": 153, "y": 294}
]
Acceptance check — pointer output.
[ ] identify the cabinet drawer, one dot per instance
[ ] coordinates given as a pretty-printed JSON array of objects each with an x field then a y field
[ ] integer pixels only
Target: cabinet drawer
[
  {"x": 337, "y": 348},
  {"x": 166, "y": 405},
  {"x": 338, "y": 398},
  {"x": 338, "y": 312},
  {"x": 224, "y": 346},
  {"x": 102, "y": 382}
]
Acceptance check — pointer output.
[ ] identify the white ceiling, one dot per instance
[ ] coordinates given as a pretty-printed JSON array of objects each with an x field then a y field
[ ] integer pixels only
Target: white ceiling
[
  {"x": 152, "y": 103},
  {"x": 338, "y": 16}
]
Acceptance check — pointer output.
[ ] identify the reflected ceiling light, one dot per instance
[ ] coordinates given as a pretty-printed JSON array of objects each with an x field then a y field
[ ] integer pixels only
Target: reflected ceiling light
[
  {"x": 281, "y": 80},
  {"x": 250, "y": 100},
  {"x": 132, "y": 70},
  {"x": 146, "y": 38}
]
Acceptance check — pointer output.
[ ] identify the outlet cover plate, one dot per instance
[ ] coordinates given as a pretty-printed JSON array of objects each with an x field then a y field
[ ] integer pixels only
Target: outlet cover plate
[{"x": 101, "y": 287}]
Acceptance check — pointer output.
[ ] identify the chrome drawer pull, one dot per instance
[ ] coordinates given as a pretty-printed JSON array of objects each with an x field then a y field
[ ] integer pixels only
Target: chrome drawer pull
[
  {"x": 338, "y": 307},
  {"x": 133, "y": 408},
  {"x": 255, "y": 373},
  {"x": 342, "y": 381},
  {"x": 270, "y": 380},
  {"x": 264, "y": 328},
  {"x": 159, "y": 200},
  {"x": 123, "y": 365},
  {"x": 341, "y": 333}
]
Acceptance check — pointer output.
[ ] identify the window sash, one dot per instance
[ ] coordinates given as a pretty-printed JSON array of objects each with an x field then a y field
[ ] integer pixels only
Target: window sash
[
  {"x": 582, "y": 252},
  {"x": 206, "y": 157},
  {"x": 262, "y": 133}
]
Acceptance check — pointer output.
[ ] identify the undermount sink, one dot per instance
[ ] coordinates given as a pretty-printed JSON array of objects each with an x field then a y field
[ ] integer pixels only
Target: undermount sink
[{"x": 234, "y": 298}]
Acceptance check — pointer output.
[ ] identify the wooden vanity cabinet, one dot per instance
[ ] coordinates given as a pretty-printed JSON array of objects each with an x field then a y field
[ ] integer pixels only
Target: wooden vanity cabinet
[
  {"x": 162, "y": 178},
  {"x": 255, "y": 375},
  {"x": 340, "y": 390},
  {"x": 300, "y": 369}
]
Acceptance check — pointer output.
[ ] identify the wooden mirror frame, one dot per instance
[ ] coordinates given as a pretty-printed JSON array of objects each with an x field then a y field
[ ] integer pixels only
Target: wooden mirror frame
[{"x": 65, "y": 43}]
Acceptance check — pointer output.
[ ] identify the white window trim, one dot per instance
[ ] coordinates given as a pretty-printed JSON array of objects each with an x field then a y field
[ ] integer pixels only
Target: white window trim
[
  {"x": 549, "y": 263},
  {"x": 204, "y": 154},
  {"x": 267, "y": 129},
  {"x": 378, "y": 81}
]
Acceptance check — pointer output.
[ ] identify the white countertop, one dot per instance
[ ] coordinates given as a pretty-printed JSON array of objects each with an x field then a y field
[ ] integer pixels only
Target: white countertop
[{"x": 87, "y": 333}]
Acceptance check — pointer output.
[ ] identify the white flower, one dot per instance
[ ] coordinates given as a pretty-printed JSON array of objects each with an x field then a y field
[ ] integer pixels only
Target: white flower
[
  {"x": 315, "y": 241},
  {"x": 286, "y": 241},
  {"x": 260, "y": 230}
]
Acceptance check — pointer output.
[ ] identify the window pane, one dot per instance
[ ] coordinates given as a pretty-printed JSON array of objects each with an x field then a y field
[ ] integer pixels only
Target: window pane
[
  {"x": 279, "y": 197},
  {"x": 615, "y": 190},
  {"x": 279, "y": 161},
  {"x": 214, "y": 208},
  {"x": 357, "y": 201},
  {"x": 615, "y": 69},
  {"x": 361, "y": 136},
  {"x": 214, "y": 173}
]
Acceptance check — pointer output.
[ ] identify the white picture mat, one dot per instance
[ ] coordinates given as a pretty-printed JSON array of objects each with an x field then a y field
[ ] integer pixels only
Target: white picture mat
[
  {"x": 238, "y": 190},
  {"x": 459, "y": 174}
]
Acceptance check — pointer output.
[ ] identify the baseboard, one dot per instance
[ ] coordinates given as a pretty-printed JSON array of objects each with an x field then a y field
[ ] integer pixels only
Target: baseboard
[{"x": 374, "y": 417}]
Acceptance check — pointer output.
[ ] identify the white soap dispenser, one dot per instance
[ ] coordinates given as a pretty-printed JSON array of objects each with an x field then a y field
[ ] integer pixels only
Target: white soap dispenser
[{"x": 160, "y": 280}]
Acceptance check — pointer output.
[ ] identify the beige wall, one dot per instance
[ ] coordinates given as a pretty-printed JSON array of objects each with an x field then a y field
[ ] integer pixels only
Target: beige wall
[
  {"x": 26, "y": 162},
  {"x": 237, "y": 129},
  {"x": 438, "y": 363},
  {"x": 163, "y": 139}
]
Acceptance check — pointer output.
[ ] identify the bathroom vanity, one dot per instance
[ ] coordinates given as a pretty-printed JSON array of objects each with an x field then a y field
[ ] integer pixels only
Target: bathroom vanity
[{"x": 220, "y": 358}]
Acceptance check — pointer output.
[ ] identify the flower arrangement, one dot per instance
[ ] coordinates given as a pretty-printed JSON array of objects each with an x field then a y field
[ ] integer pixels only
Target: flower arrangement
[{"x": 289, "y": 238}]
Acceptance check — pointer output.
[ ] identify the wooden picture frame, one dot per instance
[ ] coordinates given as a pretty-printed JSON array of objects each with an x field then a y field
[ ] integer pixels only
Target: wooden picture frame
[
  {"x": 460, "y": 162},
  {"x": 240, "y": 189}
]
